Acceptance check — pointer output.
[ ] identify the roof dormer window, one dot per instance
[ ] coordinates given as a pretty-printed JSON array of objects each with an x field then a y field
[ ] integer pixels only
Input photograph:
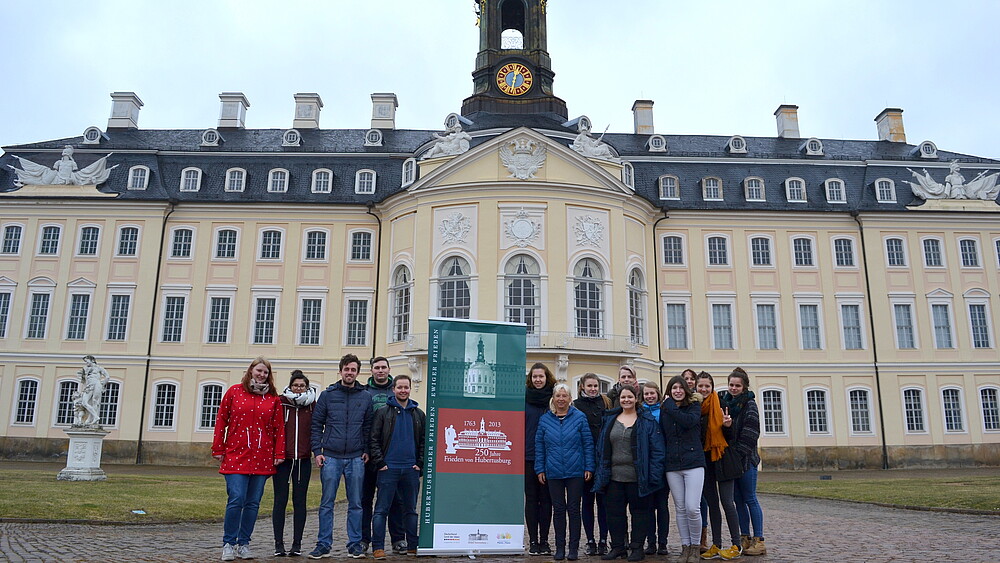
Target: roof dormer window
[
  {"x": 657, "y": 143},
  {"x": 795, "y": 190},
  {"x": 736, "y": 145},
  {"x": 138, "y": 177},
  {"x": 322, "y": 181},
  {"x": 210, "y": 138},
  {"x": 291, "y": 138},
  {"x": 236, "y": 179},
  {"x": 373, "y": 138},
  {"x": 190, "y": 180},
  {"x": 364, "y": 182},
  {"x": 812, "y": 147},
  {"x": 628, "y": 175},
  {"x": 711, "y": 189},
  {"x": 754, "y": 188}
]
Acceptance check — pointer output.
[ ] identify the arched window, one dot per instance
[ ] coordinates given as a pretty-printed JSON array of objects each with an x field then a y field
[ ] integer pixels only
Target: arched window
[
  {"x": 795, "y": 190},
  {"x": 277, "y": 181},
  {"x": 636, "y": 307},
  {"x": 401, "y": 290},
  {"x": 322, "y": 181},
  {"x": 236, "y": 179},
  {"x": 512, "y": 19},
  {"x": 816, "y": 409},
  {"x": 861, "y": 410},
  {"x": 802, "y": 251},
  {"x": 89, "y": 237},
  {"x": 12, "y": 239},
  {"x": 64, "y": 407},
  {"x": 521, "y": 291},
  {"x": 885, "y": 190},
  {"x": 49, "y": 243},
  {"x": 225, "y": 243},
  {"x": 180, "y": 245},
  {"x": 409, "y": 171},
  {"x": 628, "y": 174},
  {"x": 270, "y": 245},
  {"x": 138, "y": 178},
  {"x": 211, "y": 398},
  {"x": 27, "y": 401},
  {"x": 164, "y": 405},
  {"x": 588, "y": 298},
  {"x": 364, "y": 182},
  {"x": 128, "y": 241},
  {"x": 455, "y": 300},
  {"x": 772, "y": 411},
  {"x": 109, "y": 403},
  {"x": 190, "y": 180},
  {"x": 669, "y": 187}
]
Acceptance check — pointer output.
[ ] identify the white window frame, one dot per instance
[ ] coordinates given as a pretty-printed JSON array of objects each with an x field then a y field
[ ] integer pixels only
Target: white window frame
[
  {"x": 982, "y": 407},
  {"x": 628, "y": 174},
  {"x": 783, "y": 395},
  {"x": 723, "y": 298},
  {"x": 225, "y": 293},
  {"x": 705, "y": 188},
  {"x": 729, "y": 250},
  {"x": 604, "y": 283},
  {"x": 942, "y": 298},
  {"x": 661, "y": 188},
  {"x": 407, "y": 316},
  {"x": 843, "y": 191},
  {"x": 39, "y": 286},
  {"x": 284, "y": 186},
  {"x": 260, "y": 243},
  {"x": 979, "y": 297},
  {"x": 851, "y": 299},
  {"x": 941, "y": 250},
  {"x": 201, "y": 405},
  {"x": 850, "y": 412},
  {"x": 663, "y": 256},
  {"x": 118, "y": 240},
  {"x": 885, "y": 252},
  {"x": 878, "y": 191},
  {"x": 117, "y": 411},
  {"x": 326, "y": 245},
  {"x": 774, "y": 300},
  {"x": 909, "y": 300},
  {"x": 356, "y": 295},
  {"x": 746, "y": 188},
  {"x": 434, "y": 285},
  {"x": 228, "y": 187},
  {"x": 80, "y": 287},
  {"x": 770, "y": 250},
  {"x": 127, "y": 289},
  {"x": 152, "y": 405},
  {"x": 194, "y": 243},
  {"x": 810, "y": 299},
  {"x": 676, "y": 298},
  {"x": 640, "y": 293},
  {"x": 964, "y": 418},
  {"x": 79, "y": 240},
  {"x": 55, "y": 403},
  {"x": 41, "y": 236},
  {"x": 7, "y": 287},
  {"x": 132, "y": 172},
  {"x": 923, "y": 410},
  {"x": 813, "y": 248},
  {"x": 788, "y": 190},
  {"x": 996, "y": 250},
  {"x": 316, "y": 294},
  {"x": 961, "y": 255},
  {"x": 20, "y": 238},
  {"x": 409, "y": 172},
  {"x": 265, "y": 293},
  {"x": 329, "y": 181},
  {"x": 828, "y": 410},
  {"x": 854, "y": 251},
  {"x": 183, "y": 182},
  {"x": 173, "y": 291},
  {"x": 371, "y": 246},
  {"x": 215, "y": 243},
  {"x": 16, "y": 398},
  {"x": 357, "y": 181}
]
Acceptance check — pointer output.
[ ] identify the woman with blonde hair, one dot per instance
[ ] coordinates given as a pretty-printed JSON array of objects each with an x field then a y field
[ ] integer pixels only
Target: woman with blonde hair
[
  {"x": 249, "y": 442},
  {"x": 564, "y": 461}
]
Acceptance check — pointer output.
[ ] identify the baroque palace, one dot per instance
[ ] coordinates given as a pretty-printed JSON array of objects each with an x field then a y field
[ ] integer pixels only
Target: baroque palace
[{"x": 856, "y": 281}]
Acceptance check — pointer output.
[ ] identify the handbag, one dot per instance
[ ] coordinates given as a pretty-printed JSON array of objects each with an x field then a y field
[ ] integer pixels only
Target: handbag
[{"x": 729, "y": 466}]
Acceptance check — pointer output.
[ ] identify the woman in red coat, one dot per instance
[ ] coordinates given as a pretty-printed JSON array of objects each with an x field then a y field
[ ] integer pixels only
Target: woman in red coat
[{"x": 249, "y": 443}]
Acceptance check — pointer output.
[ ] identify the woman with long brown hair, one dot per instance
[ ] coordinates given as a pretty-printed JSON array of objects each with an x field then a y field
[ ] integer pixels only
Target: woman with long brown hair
[{"x": 537, "y": 502}]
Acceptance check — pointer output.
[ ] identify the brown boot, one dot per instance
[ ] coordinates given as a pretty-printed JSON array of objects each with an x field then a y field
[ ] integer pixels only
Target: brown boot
[
  {"x": 756, "y": 548},
  {"x": 704, "y": 540},
  {"x": 745, "y": 541}
]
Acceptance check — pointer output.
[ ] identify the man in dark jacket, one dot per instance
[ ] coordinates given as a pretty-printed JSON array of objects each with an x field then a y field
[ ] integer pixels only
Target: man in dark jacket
[
  {"x": 341, "y": 424},
  {"x": 397, "y": 447},
  {"x": 380, "y": 386}
]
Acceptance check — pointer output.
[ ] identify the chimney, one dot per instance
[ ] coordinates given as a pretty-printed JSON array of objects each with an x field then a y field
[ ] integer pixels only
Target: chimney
[
  {"x": 642, "y": 114},
  {"x": 124, "y": 110},
  {"x": 307, "y": 106},
  {"x": 890, "y": 125},
  {"x": 787, "y": 117},
  {"x": 384, "y": 110},
  {"x": 234, "y": 110}
]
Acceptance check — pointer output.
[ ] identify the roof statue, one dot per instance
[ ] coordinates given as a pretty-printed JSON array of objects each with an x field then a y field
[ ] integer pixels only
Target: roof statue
[
  {"x": 63, "y": 172},
  {"x": 955, "y": 187},
  {"x": 589, "y": 146},
  {"x": 454, "y": 142},
  {"x": 522, "y": 157}
]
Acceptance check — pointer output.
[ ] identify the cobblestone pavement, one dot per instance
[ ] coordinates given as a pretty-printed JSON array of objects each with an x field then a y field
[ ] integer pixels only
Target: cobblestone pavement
[{"x": 796, "y": 530}]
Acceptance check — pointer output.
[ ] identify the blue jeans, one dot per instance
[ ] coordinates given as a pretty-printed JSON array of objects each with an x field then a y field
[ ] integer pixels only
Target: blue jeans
[
  {"x": 747, "y": 508},
  {"x": 404, "y": 485},
  {"x": 241, "y": 511},
  {"x": 353, "y": 470}
]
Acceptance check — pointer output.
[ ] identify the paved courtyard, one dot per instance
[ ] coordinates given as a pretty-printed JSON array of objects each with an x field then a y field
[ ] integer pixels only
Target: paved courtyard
[{"x": 797, "y": 530}]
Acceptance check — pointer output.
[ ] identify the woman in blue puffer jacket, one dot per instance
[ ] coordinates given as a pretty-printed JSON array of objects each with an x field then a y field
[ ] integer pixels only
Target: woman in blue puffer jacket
[{"x": 564, "y": 461}]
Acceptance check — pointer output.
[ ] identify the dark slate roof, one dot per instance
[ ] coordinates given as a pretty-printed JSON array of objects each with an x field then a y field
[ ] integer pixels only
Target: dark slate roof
[{"x": 690, "y": 157}]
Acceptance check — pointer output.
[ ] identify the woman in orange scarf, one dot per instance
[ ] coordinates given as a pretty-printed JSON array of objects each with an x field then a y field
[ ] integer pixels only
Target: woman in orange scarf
[{"x": 718, "y": 485}]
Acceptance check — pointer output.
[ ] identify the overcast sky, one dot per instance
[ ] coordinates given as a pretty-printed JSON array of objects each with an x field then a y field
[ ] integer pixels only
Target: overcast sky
[{"x": 712, "y": 67}]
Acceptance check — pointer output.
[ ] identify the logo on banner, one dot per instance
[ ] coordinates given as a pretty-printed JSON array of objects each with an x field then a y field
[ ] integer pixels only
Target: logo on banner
[{"x": 477, "y": 441}]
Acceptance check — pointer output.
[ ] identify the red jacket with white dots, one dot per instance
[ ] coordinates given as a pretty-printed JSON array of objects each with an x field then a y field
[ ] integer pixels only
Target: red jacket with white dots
[{"x": 249, "y": 432}]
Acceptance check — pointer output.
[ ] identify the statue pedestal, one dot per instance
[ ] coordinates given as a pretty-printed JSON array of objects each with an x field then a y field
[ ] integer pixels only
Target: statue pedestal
[{"x": 83, "y": 460}]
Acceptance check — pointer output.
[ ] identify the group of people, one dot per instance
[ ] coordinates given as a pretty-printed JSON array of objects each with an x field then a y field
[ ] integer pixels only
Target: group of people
[
  {"x": 622, "y": 454},
  {"x": 371, "y": 435}
]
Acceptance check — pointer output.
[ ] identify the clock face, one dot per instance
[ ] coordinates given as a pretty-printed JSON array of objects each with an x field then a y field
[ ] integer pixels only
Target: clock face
[{"x": 514, "y": 79}]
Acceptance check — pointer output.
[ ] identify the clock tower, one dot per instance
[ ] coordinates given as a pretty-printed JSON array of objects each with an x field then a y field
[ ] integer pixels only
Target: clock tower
[{"x": 513, "y": 71}]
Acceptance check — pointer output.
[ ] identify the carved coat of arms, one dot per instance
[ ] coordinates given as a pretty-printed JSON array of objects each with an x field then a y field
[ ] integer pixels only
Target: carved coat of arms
[
  {"x": 521, "y": 230},
  {"x": 589, "y": 231},
  {"x": 455, "y": 228},
  {"x": 522, "y": 157}
]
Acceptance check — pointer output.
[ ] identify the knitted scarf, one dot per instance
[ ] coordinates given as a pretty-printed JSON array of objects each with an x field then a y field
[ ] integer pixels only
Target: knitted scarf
[
  {"x": 734, "y": 404},
  {"x": 715, "y": 442},
  {"x": 300, "y": 399},
  {"x": 259, "y": 388},
  {"x": 538, "y": 397}
]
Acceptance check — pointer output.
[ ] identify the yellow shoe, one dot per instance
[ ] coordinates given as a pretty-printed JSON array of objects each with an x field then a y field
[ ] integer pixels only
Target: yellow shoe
[
  {"x": 757, "y": 548},
  {"x": 731, "y": 552},
  {"x": 711, "y": 553}
]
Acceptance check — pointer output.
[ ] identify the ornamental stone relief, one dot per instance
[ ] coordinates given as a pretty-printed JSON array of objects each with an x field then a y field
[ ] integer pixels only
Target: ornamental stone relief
[
  {"x": 522, "y": 157},
  {"x": 521, "y": 230},
  {"x": 455, "y": 228},
  {"x": 589, "y": 231}
]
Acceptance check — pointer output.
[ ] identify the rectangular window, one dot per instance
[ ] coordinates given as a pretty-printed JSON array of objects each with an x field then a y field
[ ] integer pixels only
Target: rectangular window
[
  {"x": 191, "y": 180},
  {"x": 118, "y": 317},
  {"x": 4, "y": 313},
  {"x": 851, "y": 318},
  {"x": 718, "y": 254},
  {"x": 128, "y": 241},
  {"x": 914, "y": 409},
  {"x": 357, "y": 322},
  {"x": 316, "y": 245},
  {"x": 771, "y": 409},
  {"x": 980, "y": 325},
  {"x": 861, "y": 422},
  {"x": 270, "y": 245},
  {"x": 218, "y": 320},
  {"x": 668, "y": 187},
  {"x": 904, "y": 326},
  {"x": 991, "y": 408},
  {"x": 401, "y": 315},
  {"x": 164, "y": 405},
  {"x": 713, "y": 188},
  {"x": 235, "y": 181},
  {"x": 843, "y": 249},
  {"x": 27, "y": 396},
  {"x": 796, "y": 190},
  {"x": 79, "y": 312},
  {"x": 673, "y": 250},
  {"x": 760, "y": 251},
  {"x": 88, "y": 241},
  {"x": 952, "y": 411},
  {"x": 278, "y": 181},
  {"x": 809, "y": 318},
  {"x": 50, "y": 241},
  {"x": 802, "y": 248},
  {"x": 181, "y": 246},
  {"x": 225, "y": 244},
  {"x": 895, "y": 255},
  {"x": 211, "y": 398},
  {"x": 942, "y": 326},
  {"x": 263, "y": 324},
  {"x": 886, "y": 191},
  {"x": 816, "y": 407},
  {"x": 12, "y": 239},
  {"x": 38, "y": 317},
  {"x": 835, "y": 191},
  {"x": 109, "y": 404},
  {"x": 361, "y": 245},
  {"x": 755, "y": 190},
  {"x": 969, "y": 250},
  {"x": 173, "y": 319},
  {"x": 767, "y": 327},
  {"x": 932, "y": 253},
  {"x": 64, "y": 408},
  {"x": 312, "y": 316},
  {"x": 677, "y": 326},
  {"x": 722, "y": 326}
]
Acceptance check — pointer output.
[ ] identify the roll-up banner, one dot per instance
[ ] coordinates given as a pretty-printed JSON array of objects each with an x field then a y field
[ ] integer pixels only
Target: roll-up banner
[{"x": 473, "y": 491}]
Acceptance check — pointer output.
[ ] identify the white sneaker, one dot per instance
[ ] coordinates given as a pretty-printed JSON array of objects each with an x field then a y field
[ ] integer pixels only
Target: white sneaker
[
  {"x": 243, "y": 552},
  {"x": 228, "y": 552}
]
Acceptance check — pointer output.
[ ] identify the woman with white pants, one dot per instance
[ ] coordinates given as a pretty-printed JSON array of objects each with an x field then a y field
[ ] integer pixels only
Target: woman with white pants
[{"x": 680, "y": 420}]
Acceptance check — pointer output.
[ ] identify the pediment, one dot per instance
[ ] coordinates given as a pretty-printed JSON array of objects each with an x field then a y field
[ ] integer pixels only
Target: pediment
[
  {"x": 511, "y": 159},
  {"x": 7, "y": 282},
  {"x": 81, "y": 282},
  {"x": 41, "y": 281},
  {"x": 940, "y": 294}
]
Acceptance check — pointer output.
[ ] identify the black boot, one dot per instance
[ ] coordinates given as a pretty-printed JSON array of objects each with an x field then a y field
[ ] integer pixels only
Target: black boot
[
  {"x": 573, "y": 553},
  {"x": 602, "y": 547},
  {"x": 560, "y": 552},
  {"x": 615, "y": 553},
  {"x": 650, "y": 548},
  {"x": 636, "y": 554},
  {"x": 591, "y": 548}
]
